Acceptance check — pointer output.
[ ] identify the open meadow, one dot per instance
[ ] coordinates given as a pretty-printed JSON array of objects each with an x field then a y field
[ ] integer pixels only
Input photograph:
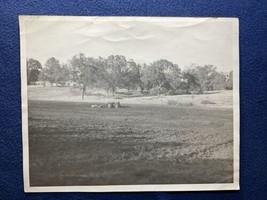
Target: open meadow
[
  {"x": 159, "y": 142},
  {"x": 214, "y": 99}
]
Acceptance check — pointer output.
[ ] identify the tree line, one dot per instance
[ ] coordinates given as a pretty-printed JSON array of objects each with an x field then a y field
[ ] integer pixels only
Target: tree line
[{"x": 116, "y": 71}]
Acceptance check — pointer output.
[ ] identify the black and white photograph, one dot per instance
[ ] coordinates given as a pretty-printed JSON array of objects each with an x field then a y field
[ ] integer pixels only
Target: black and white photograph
[{"x": 129, "y": 104}]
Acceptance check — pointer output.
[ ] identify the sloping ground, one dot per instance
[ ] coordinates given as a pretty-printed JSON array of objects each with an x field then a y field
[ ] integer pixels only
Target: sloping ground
[{"x": 223, "y": 99}]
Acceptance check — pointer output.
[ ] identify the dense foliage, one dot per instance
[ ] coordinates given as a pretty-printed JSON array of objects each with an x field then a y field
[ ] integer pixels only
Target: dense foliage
[
  {"x": 115, "y": 71},
  {"x": 34, "y": 68}
]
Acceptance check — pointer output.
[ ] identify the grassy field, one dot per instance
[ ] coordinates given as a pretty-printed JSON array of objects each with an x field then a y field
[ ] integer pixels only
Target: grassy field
[
  {"x": 74, "y": 144},
  {"x": 218, "y": 99}
]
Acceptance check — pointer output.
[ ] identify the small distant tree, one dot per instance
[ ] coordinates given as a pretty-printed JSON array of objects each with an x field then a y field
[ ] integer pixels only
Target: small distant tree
[
  {"x": 52, "y": 71},
  {"x": 43, "y": 76},
  {"x": 229, "y": 81},
  {"x": 65, "y": 74},
  {"x": 34, "y": 68}
]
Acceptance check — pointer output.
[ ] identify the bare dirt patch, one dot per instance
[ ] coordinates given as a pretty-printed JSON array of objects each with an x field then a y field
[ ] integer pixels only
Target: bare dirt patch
[{"x": 74, "y": 144}]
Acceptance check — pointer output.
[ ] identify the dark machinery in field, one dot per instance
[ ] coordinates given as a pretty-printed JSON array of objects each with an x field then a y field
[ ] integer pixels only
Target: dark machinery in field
[{"x": 114, "y": 105}]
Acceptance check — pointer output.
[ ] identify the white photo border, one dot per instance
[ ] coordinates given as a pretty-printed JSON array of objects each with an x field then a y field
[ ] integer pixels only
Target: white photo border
[{"x": 129, "y": 188}]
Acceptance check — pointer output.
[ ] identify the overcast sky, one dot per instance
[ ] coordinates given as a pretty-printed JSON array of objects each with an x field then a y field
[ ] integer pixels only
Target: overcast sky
[{"x": 180, "y": 41}]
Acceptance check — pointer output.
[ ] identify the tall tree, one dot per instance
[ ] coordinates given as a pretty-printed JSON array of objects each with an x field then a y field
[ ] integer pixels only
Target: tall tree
[
  {"x": 204, "y": 75},
  {"x": 229, "y": 81},
  {"x": 84, "y": 71},
  {"x": 53, "y": 70},
  {"x": 218, "y": 81},
  {"x": 34, "y": 68},
  {"x": 115, "y": 69},
  {"x": 189, "y": 81},
  {"x": 131, "y": 75},
  {"x": 160, "y": 74},
  {"x": 174, "y": 76}
]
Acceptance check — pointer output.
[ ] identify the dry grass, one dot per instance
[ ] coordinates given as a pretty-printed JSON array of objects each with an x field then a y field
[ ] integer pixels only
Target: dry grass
[
  {"x": 219, "y": 99},
  {"x": 207, "y": 102}
]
